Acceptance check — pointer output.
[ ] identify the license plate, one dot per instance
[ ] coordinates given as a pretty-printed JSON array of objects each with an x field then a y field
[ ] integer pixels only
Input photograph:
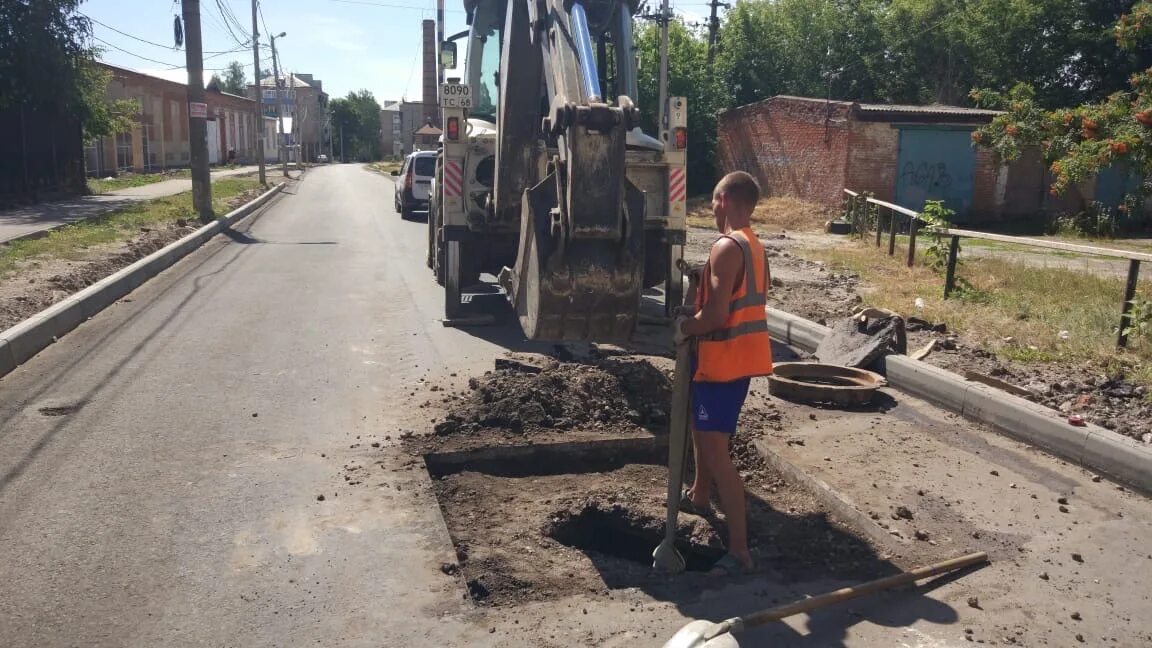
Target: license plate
[{"x": 456, "y": 95}]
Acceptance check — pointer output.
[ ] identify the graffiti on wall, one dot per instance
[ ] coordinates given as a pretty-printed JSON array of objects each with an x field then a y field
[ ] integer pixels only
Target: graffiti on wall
[{"x": 931, "y": 175}]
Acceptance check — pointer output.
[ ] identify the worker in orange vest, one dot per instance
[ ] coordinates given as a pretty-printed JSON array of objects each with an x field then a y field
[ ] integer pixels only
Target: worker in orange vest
[{"x": 732, "y": 345}]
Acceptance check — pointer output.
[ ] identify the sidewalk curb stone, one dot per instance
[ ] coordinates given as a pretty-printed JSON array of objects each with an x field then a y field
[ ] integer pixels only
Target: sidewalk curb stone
[{"x": 1093, "y": 447}]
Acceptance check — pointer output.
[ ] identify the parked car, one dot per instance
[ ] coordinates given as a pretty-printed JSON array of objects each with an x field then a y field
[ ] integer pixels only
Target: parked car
[
  {"x": 322, "y": 159},
  {"x": 413, "y": 183}
]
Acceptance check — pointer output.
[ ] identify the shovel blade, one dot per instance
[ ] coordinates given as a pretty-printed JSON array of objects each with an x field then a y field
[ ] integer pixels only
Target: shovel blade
[{"x": 693, "y": 635}]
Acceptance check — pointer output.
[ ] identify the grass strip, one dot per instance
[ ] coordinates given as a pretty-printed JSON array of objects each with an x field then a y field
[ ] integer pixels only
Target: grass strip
[{"x": 74, "y": 241}]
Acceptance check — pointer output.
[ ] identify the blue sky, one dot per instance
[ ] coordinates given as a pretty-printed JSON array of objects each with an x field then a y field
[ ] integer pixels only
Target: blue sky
[{"x": 348, "y": 44}]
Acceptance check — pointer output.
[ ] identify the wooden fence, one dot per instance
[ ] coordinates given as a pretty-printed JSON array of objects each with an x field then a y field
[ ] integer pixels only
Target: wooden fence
[{"x": 859, "y": 209}]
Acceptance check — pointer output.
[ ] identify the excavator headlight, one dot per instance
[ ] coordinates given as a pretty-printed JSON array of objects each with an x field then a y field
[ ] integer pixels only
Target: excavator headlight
[
  {"x": 681, "y": 137},
  {"x": 453, "y": 129}
]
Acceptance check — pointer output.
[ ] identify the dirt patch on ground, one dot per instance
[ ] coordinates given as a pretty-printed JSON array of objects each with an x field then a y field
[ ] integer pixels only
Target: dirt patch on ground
[
  {"x": 552, "y": 480},
  {"x": 811, "y": 290},
  {"x": 41, "y": 283}
]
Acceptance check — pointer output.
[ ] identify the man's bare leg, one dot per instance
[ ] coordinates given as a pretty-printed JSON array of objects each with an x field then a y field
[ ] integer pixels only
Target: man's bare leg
[
  {"x": 714, "y": 448},
  {"x": 701, "y": 490}
]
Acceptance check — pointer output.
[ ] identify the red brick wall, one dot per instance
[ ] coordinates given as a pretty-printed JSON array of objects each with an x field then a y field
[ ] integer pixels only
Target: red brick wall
[
  {"x": 873, "y": 148},
  {"x": 793, "y": 147},
  {"x": 985, "y": 202}
]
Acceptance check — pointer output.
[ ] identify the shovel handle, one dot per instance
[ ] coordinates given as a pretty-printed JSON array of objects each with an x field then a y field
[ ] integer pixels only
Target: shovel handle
[{"x": 823, "y": 600}]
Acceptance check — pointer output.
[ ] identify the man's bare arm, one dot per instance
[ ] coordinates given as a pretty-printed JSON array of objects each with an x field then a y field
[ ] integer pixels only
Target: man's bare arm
[{"x": 726, "y": 260}]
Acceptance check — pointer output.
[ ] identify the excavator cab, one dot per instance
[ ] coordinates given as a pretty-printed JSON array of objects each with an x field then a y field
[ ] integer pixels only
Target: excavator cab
[{"x": 559, "y": 204}]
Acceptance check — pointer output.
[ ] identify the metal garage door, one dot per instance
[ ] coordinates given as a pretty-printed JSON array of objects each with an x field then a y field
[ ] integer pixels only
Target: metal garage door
[{"x": 935, "y": 163}]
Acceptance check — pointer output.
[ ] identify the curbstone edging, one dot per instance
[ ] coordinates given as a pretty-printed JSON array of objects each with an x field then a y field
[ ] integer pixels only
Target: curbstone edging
[
  {"x": 1092, "y": 446},
  {"x": 27, "y": 338}
]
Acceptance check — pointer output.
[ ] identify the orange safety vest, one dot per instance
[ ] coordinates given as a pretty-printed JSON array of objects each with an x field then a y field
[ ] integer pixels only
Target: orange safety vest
[{"x": 741, "y": 348}]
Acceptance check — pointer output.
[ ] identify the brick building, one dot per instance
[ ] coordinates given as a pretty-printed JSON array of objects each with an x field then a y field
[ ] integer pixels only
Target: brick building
[
  {"x": 813, "y": 149},
  {"x": 399, "y": 121},
  {"x": 159, "y": 139},
  {"x": 304, "y": 104}
]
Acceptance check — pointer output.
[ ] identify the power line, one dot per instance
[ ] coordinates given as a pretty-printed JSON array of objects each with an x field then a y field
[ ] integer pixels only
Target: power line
[
  {"x": 260, "y": 8},
  {"x": 142, "y": 40},
  {"x": 231, "y": 15},
  {"x": 227, "y": 25},
  {"x": 120, "y": 49}
]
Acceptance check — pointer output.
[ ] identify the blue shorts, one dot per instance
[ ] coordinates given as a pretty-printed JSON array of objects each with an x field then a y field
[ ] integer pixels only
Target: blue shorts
[{"x": 716, "y": 405}]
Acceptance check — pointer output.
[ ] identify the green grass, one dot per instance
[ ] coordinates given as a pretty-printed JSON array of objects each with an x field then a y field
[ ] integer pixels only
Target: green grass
[
  {"x": 1002, "y": 300},
  {"x": 74, "y": 241},
  {"x": 127, "y": 180}
]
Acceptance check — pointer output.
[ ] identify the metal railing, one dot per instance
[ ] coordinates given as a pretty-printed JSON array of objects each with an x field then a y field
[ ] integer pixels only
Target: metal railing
[{"x": 858, "y": 207}]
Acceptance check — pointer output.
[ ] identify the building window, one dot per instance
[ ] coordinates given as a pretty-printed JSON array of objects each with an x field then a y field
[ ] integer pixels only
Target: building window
[
  {"x": 174, "y": 110},
  {"x": 124, "y": 151},
  {"x": 94, "y": 157},
  {"x": 146, "y": 145}
]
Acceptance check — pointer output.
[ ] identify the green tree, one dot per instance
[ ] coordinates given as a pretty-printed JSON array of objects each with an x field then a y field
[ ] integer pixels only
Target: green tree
[
  {"x": 688, "y": 77},
  {"x": 47, "y": 64},
  {"x": 234, "y": 81},
  {"x": 357, "y": 116},
  {"x": 1079, "y": 142}
]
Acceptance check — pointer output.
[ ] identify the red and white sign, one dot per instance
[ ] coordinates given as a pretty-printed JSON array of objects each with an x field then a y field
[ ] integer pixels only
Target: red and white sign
[
  {"x": 453, "y": 179},
  {"x": 677, "y": 186},
  {"x": 197, "y": 109}
]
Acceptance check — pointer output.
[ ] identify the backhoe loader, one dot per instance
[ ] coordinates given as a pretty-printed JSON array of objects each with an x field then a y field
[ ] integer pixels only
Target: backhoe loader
[{"x": 544, "y": 178}]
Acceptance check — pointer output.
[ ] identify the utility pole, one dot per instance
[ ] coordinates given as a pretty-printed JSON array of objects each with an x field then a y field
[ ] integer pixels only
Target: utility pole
[
  {"x": 662, "y": 114},
  {"x": 279, "y": 107},
  {"x": 342, "y": 160},
  {"x": 197, "y": 112},
  {"x": 713, "y": 27},
  {"x": 258, "y": 129}
]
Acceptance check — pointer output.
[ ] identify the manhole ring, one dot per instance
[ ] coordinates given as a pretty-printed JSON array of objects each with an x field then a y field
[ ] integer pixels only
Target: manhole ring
[{"x": 811, "y": 382}]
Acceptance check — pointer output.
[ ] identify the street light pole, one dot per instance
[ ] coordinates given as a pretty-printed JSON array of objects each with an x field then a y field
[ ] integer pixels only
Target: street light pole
[
  {"x": 279, "y": 105},
  {"x": 197, "y": 113}
]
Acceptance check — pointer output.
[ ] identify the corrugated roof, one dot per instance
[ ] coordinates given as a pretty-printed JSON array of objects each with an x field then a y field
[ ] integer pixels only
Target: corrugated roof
[
  {"x": 883, "y": 112},
  {"x": 930, "y": 109}
]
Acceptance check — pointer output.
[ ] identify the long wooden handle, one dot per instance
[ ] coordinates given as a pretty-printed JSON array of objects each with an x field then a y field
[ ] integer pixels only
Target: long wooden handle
[{"x": 806, "y": 605}]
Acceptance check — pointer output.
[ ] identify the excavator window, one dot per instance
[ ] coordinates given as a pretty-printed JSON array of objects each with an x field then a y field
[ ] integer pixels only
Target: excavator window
[{"x": 487, "y": 36}]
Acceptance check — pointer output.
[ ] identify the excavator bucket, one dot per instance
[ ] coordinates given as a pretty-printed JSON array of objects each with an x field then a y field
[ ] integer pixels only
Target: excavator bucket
[{"x": 567, "y": 288}]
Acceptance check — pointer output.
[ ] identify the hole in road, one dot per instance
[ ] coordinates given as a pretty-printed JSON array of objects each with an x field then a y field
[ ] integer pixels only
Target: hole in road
[{"x": 612, "y": 533}]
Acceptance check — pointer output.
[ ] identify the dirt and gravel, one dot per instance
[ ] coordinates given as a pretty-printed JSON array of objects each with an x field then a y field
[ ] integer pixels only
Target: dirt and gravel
[
  {"x": 811, "y": 290},
  {"x": 42, "y": 282},
  {"x": 532, "y": 520}
]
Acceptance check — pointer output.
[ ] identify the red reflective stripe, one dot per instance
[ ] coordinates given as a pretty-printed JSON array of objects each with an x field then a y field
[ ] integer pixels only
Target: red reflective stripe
[
  {"x": 677, "y": 185},
  {"x": 453, "y": 179}
]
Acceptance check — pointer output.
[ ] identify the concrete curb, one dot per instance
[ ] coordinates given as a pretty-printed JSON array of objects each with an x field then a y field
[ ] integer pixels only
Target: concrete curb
[
  {"x": 24, "y": 340},
  {"x": 1118, "y": 457}
]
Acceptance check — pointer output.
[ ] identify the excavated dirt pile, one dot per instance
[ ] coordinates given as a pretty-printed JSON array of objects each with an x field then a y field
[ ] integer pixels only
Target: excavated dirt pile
[{"x": 563, "y": 396}]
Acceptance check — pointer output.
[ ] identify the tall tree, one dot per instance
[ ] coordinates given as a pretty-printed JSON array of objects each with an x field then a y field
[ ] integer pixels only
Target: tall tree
[
  {"x": 688, "y": 77},
  {"x": 1079, "y": 142},
  {"x": 233, "y": 81},
  {"x": 357, "y": 117},
  {"x": 48, "y": 64}
]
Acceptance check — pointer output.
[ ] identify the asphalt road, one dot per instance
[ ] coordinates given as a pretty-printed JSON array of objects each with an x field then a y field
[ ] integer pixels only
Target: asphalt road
[
  {"x": 161, "y": 467},
  {"x": 177, "y": 504}
]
